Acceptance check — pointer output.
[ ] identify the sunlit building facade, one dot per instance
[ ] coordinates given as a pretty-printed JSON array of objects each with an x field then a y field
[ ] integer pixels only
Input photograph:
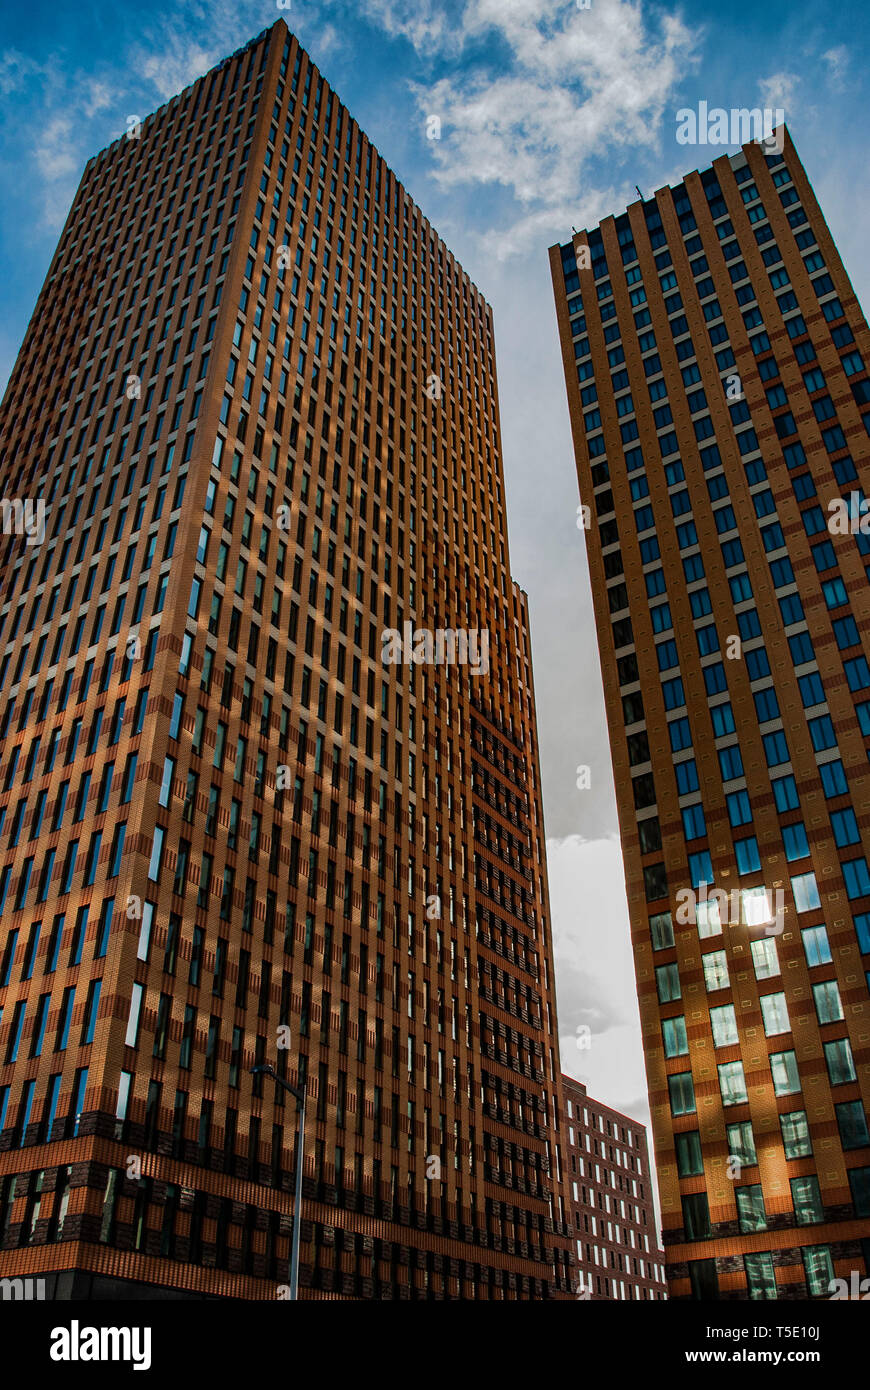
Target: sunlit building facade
[
  {"x": 256, "y": 410},
  {"x": 716, "y": 364}
]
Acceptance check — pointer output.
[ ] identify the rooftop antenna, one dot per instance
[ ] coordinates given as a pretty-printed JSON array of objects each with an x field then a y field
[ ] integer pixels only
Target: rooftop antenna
[{"x": 639, "y": 194}]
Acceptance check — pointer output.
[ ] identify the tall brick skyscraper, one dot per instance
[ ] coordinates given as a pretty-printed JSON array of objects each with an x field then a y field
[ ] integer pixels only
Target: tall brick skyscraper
[
  {"x": 257, "y": 398},
  {"x": 716, "y": 362}
]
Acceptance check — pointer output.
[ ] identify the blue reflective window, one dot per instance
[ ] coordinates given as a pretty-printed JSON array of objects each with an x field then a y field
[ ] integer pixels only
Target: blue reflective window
[{"x": 794, "y": 837}]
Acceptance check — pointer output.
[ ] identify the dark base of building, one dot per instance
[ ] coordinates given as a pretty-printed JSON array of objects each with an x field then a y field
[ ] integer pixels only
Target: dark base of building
[
  {"x": 225, "y": 1227},
  {"x": 82, "y": 1286}
]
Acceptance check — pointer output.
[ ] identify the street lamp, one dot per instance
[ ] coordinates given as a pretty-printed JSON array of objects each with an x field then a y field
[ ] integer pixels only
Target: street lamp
[{"x": 265, "y": 1070}]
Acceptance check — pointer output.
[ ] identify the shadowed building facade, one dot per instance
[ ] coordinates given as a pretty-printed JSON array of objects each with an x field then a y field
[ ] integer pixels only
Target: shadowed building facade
[
  {"x": 610, "y": 1199},
  {"x": 257, "y": 399},
  {"x": 716, "y": 366}
]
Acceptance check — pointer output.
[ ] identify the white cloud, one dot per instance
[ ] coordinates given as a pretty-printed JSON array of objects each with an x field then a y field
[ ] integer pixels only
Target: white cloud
[
  {"x": 837, "y": 60},
  {"x": 595, "y": 982},
  {"x": 595, "y": 979},
  {"x": 174, "y": 50},
  {"x": 15, "y": 70},
  {"x": 577, "y": 85},
  {"x": 55, "y": 150},
  {"x": 63, "y": 141},
  {"x": 779, "y": 90},
  {"x": 329, "y": 40},
  {"x": 59, "y": 160},
  {"x": 426, "y": 24},
  {"x": 96, "y": 96},
  {"x": 176, "y": 66}
]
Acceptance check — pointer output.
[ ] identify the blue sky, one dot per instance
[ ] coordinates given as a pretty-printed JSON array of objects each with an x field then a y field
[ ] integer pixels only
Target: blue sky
[
  {"x": 549, "y": 112},
  {"x": 550, "y": 115}
]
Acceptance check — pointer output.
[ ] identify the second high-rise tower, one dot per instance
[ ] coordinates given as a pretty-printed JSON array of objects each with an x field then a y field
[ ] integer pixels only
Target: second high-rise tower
[{"x": 716, "y": 363}]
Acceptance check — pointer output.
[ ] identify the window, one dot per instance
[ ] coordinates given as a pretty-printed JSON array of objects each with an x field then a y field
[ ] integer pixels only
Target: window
[
  {"x": 177, "y": 709},
  {"x": 674, "y": 1035},
  {"x": 732, "y": 1083},
  {"x": 795, "y": 1134},
  {"x": 775, "y": 748},
  {"x": 117, "y": 851},
  {"x": 857, "y": 878},
  {"x": 78, "y": 1099},
  {"x": 730, "y": 762},
  {"x": 845, "y": 827},
  {"x": 784, "y": 1070},
  {"x": 819, "y": 1270},
  {"x": 774, "y": 1012},
  {"x": 722, "y": 717},
  {"x": 811, "y": 688},
  {"x": 822, "y": 733},
  {"x": 785, "y": 793},
  {"x": 655, "y": 882},
  {"x": 807, "y": 1200},
  {"x": 667, "y": 983},
  {"x": 696, "y": 1217},
  {"x": 690, "y": 1162},
  {"x": 747, "y": 855},
  {"x": 806, "y": 893},
  {"x": 750, "y": 1208},
  {"x": 816, "y": 947},
  {"x": 682, "y": 1093},
  {"x": 834, "y": 782},
  {"x": 715, "y": 970},
  {"x": 91, "y": 1010},
  {"x": 129, "y": 778},
  {"x": 724, "y": 1025},
  {"x": 852, "y": 1124},
  {"x": 187, "y": 1036},
  {"x": 859, "y": 1182},
  {"x": 765, "y": 958},
  {"x": 755, "y": 905},
  {"x": 739, "y": 808},
  {"x": 826, "y": 997},
  {"x": 708, "y": 919},
  {"x": 760, "y": 1276},
  {"x": 694, "y": 824},
  {"x": 166, "y": 783},
  {"x": 704, "y": 1279},
  {"x": 700, "y": 868},
  {"x": 839, "y": 1061},
  {"x": 741, "y": 1143},
  {"x": 661, "y": 930},
  {"x": 794, "y": 838},
  {"x": 132, "y": 1036},
  {"x": 156, "y": 852},
  {"x": 15, "y": 1031},
  {"x": 687, "y": 777}
]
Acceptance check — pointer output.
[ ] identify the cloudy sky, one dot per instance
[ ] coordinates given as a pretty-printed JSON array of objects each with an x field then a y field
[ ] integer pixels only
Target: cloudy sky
[{"x": 550, "y": 114}]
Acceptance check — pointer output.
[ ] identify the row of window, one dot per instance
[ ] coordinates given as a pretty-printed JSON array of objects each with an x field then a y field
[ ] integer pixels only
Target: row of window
[
  {"x": 760, "y": 1274},
  {"x": 751, "y": 1211},
  {"x": 850, "y": 1115}
]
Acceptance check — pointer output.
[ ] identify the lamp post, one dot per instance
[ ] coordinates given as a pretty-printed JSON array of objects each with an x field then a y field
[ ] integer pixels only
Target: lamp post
[{"x": 299, "y": 1093}]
